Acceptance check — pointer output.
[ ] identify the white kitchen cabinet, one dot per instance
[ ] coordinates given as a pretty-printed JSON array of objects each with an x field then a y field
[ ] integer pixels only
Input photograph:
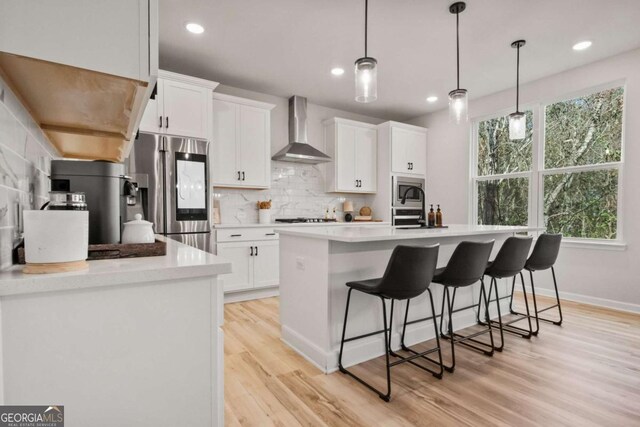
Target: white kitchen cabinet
[
  {"x": 353, "y": 147},
  {"x": 254, "y": 253},
  {"x": 116, "y": 37},
  {"x": 239, "y": 253},
  {"x": 241, "y": 142},
  {"x": 408, "y": 150},
  {"x": 182, "y": 106}
]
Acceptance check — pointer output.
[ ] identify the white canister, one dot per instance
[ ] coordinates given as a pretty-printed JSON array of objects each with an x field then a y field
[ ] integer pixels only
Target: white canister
[
  {"x": 264, "y": 216},
  {"x": 138, "y": 231},
  {"x": 56, "y": 236}
]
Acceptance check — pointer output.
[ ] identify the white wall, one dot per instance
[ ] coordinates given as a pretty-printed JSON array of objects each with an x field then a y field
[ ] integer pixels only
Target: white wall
[
  {"x": 296, "y": 189},
  {"x": 606, "y": 277}
]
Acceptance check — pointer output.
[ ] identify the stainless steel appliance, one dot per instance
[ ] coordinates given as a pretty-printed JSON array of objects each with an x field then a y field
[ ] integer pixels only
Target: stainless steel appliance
[
  {"x": 400, "y": 184},
  {"x": 406, "y": 218},
  {"x": 171, "y": 177},
  {"x": 101, "y": 182},
  {"x": 298, "y": 150}
]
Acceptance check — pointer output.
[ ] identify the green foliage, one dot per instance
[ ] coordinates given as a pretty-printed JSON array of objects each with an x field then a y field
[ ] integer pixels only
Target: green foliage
[{"x": 580, "y": 131}]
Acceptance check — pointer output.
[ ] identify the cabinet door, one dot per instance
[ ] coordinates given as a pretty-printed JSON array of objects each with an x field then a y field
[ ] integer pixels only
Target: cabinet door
[
  {"x": 266, "y": 264},
  {"x": 346, "y": 158},
  {"x": 253, "y": 155},
  {"x": 239, "y": 254},
  {"x": 151, "y": 121},
  {"x": 400, "y": 140},
  {"x": 225, "y": 125},
  {"x": 366, "y": 161},
  {"x": 185, "y": 109},
  {"x": 417, "y": 153}
]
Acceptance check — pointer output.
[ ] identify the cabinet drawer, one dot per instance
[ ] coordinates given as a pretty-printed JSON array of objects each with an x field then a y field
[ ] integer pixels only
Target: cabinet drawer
[{"x": 245, "y": 234}]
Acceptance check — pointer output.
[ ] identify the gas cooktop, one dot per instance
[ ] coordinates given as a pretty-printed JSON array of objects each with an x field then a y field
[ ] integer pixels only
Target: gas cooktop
[{"x": 298, "y": 220}]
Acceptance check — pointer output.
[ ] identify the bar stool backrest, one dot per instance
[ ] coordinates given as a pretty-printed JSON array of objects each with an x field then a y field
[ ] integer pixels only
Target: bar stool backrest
[
  {"x": 545, "y": 252},
  {"x": 467, "y": 264},
  {"x": 511, "y": 258},
  {"x": 409, "y": 271}
]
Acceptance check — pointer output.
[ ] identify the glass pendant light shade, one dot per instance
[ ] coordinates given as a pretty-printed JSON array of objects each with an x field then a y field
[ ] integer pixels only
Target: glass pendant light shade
[
  {"x": 366, "y": 70},
  {"x": 458, "y": 105},
  {"x": 517, "y": 125}
]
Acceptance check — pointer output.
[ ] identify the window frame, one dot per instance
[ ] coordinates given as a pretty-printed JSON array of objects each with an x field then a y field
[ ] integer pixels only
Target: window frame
[{"x": 538, "y": 172}]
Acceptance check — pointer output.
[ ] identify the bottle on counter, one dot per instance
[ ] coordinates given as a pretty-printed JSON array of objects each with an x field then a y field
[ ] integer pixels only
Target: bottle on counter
[
  {"x": 326, "y": 214},
  {"x": 431, "y": 218},
  {"x": 438, "y": 217},
  {"x": 333, "y": 214}
]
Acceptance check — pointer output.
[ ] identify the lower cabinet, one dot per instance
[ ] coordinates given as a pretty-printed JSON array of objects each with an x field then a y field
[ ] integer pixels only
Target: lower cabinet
[{"x": 255, "y": 264}]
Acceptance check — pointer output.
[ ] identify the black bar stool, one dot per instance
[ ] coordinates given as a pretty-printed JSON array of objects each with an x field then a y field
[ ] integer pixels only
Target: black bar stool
[
  {"x": 407, "y": 276},
  {"x": 544, "y": 256},
  {"x": 508, "y": 263},
  {"x": 465, "y": 267}
]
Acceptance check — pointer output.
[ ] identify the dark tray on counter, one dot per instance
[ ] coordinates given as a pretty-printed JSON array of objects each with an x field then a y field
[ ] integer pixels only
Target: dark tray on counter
[
  {"x": 118, "y": 250},
  {"x": 437, "y": 226}
]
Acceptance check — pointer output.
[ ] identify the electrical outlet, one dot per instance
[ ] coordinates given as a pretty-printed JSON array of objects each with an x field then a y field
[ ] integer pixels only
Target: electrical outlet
[{"x": 300, "y": 263}]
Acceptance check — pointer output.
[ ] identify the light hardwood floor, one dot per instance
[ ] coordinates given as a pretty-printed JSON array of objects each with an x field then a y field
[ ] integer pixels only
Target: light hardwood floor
[{"x": 584, "y": 373}]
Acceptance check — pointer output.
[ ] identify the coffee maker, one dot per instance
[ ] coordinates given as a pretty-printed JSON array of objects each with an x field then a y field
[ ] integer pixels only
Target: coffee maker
[{"x": 104, "y": 186}]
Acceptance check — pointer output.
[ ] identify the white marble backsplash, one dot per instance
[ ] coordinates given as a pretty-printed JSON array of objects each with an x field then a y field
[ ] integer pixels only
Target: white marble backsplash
[
  {"x": 297, "y": 190},
  {"x": 25, "y": 165}
]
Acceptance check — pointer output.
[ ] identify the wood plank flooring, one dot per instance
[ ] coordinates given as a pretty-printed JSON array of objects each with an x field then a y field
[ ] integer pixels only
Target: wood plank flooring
[{"x": 584, "y": 373}]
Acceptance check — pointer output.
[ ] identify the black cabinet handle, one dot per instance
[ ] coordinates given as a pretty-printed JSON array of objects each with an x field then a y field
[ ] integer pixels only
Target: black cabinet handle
[
  {"x": 160, "y": 125},
  {"x": 269, "y": 234},
  {"x": 243, "y": 175},
  {"x": 256, "y": 251},
  {"x": 251, "y": 250},
  {"x": 236, "y": 235},
  {"x": 238, "y": 175},
  {"x": 166, "y": 119}
]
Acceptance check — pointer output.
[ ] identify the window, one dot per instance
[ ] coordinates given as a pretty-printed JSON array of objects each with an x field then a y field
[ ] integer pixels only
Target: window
[{"x": 564, "y": 175}]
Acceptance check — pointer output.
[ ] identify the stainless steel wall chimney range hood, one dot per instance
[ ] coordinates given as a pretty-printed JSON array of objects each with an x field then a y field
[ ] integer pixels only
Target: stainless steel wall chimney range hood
[{"x": 298, "y": 150}]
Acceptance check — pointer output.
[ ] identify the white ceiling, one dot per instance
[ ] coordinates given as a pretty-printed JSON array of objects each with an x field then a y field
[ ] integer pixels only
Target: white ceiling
[{"x": 286, "y": 47}]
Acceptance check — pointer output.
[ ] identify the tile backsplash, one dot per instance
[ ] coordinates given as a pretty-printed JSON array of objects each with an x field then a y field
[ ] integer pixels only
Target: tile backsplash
[
  {"x": 297, "y": 190},
  {"x": 25, "y": 165}
]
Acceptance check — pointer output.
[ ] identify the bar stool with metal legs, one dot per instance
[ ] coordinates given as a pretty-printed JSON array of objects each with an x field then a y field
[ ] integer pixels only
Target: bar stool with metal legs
[
  {"x": 544, "y": 256},
  {"x": 508, "y": 263},
  {"x": 465, "y": 267},
  {"x": 408, "y": 275}
]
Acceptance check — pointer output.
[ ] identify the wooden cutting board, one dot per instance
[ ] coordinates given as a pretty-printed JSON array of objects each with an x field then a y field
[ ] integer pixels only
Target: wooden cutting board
[{"x": 55, "y": 267}]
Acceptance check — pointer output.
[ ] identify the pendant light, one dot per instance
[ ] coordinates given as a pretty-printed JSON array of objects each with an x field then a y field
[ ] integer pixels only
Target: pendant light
[
  {"x": 458, "y": 100},
  {"x": 517, "y": 120},
  {"x": 366, "y": 69}
]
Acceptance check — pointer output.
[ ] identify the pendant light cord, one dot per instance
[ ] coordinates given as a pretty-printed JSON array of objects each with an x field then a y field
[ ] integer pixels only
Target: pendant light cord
[
  {"x": 518, "y": 80},
  {"x": 366, "y": 20},
  {"x": 458, "y": 48}
]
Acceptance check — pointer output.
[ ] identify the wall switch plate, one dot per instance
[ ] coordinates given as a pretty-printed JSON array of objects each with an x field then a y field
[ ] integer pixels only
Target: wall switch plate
[{"x": 300, "y": 263}]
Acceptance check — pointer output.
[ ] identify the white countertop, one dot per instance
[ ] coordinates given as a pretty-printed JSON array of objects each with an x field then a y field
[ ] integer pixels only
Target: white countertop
[
  {"x": 374, "y": 234},
  {"x": 180, "y": 262},
  {"x": 301, "y": 224}
]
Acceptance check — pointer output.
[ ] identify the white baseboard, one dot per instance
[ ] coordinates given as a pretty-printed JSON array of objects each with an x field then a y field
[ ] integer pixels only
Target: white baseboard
[
  {"x": 586, "y": 299},
  {"x": 251, "y": 294},
  {"x": 359, "y": 351}
]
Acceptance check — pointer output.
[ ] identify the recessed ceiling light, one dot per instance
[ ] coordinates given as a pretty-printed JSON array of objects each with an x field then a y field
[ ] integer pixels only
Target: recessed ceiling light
[
  {"x": 194, "y": 28},
  {"x": 582, "y": 45},
  {"x": 337, "y": 71},
  {"x": 432, "y": 99}
]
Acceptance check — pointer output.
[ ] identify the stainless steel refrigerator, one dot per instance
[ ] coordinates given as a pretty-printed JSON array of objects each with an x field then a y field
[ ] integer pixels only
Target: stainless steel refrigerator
[{"x": 171, "y": 175}]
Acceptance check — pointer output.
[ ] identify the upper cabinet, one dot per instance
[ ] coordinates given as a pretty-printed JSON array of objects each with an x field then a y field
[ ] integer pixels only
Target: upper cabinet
[
  {"x": 353, "y": 147},
  {"x": 241, "y": 142},
  {"x": 408, "y": 147},
  {"x": 181, "y": 106},
  {"x": 84, "y": 69}
]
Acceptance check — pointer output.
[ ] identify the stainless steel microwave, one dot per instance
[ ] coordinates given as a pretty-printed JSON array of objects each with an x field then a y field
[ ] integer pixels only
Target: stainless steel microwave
[{"x": 402, "y": 185}]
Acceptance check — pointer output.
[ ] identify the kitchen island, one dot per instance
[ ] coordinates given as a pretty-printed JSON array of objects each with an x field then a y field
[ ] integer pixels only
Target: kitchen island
[
  {"x": 315, "y": 264},
  {"x": 127, "y": 342}
]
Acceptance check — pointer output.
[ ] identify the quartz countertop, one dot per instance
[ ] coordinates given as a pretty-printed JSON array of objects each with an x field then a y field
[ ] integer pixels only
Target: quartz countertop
[
  {"x": 301, "y": 224},
  {"x": 180, "y": 262},
  {"x": 374, "y": 234}
]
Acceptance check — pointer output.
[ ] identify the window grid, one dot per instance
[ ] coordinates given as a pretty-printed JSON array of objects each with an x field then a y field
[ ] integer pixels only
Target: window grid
[{"x": 538, "y": 172}]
